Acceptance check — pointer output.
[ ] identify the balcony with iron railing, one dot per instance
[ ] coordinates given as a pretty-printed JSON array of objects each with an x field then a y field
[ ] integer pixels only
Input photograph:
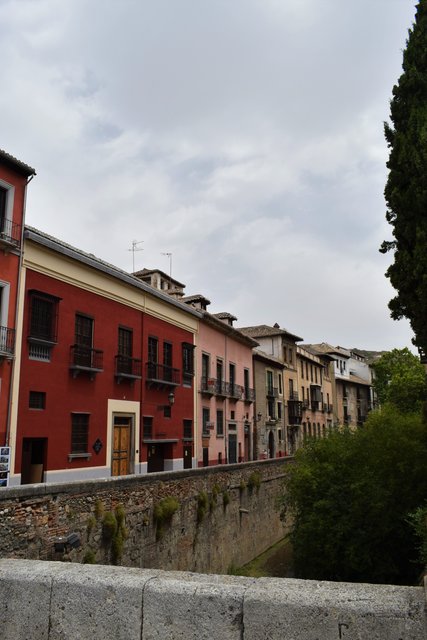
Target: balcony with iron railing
[
  {"x": 10, "y": 234},
  {"x": 293, "y": 395},
  {"x": 248, "y": 394},
  {"x": 294, "y": 409},
  {"x": 162, "y": 375},
  {"x": 7, "y": 342},
  {"x": 127, "y": 368},
  {"x": 234, "y": 391},
  {"x": 305, "y": 403},
  {"x": 207, "y": 386},
  {"x": 221, "y": 388},
  {"x": 85, "y": 360},
  {"x": 272, "y": 392}
]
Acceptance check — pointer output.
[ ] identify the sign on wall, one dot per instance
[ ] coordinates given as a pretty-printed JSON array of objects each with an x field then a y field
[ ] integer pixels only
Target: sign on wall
[{"x": 4, "y": 466}]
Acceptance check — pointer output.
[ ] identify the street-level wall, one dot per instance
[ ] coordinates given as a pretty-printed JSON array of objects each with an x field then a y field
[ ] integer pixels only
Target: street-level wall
[{"x": 58, "y": 601}]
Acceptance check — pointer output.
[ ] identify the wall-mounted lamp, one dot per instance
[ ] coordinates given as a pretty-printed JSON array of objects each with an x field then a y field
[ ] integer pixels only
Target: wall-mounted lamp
[
  {"x": 171, "y": 398},
  {"x": 258, "y": 416},
  {"x": 64, "y": 543}
]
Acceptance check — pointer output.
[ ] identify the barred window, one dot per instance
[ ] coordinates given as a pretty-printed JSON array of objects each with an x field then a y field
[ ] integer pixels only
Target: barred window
[
  {"x": 187, "y": 362},
  {"x": 79, "y": 432},
  {"x": 37, "y": 400},
  {"x": 220, "y": 422},
  {"x": 43, "y": 317}
]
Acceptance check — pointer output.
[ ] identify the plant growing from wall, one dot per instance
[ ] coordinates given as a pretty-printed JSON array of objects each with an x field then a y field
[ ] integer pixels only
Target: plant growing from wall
[
  {"x": 216, "y": 490},
  {"x": 202, "y": 506},
  {"x": 89, "y": 557},
  {"x": 254, "y": 481},
  {"x": 225, "y": 499},
  {"x": 114, "y": 532},
  {"x": 91, "y": 522},
  {"x": 162, "y": 514},
  {"x": 242, "y": 486},
  {"x": 99, "y": 509}
]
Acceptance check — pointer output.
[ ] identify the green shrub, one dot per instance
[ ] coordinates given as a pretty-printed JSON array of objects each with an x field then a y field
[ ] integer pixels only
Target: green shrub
[{"x": 91, "y": 522}]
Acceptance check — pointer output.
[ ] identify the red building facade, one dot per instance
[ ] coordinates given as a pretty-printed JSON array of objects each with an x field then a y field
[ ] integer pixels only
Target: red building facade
[
  {"x": 14, "y": 177},
  {"x": 106, "y": 380}
]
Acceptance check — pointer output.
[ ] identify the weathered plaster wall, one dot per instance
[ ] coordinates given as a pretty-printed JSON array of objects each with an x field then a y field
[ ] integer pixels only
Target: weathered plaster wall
[{"x": 34, "y": 516}]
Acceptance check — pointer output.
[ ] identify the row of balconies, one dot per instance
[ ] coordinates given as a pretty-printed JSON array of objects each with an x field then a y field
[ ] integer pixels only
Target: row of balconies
[
  {"x": 83, "y": 359},
  {"x": 220, "y": 388}
]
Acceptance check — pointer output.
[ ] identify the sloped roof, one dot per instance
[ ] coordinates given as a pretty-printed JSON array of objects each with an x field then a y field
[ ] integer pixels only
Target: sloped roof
[
  {"x": 90, "y": 260},
  {"x": 14, "y": 163},
  {"x": 224, "y": 315},
  {"x": 324, "y": 347},
  {"x": 166, "y": 276},
  {"x": 264, "y": 330}
]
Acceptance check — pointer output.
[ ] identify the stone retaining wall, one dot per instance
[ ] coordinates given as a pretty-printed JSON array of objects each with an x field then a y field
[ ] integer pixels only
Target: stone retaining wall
[
  {"x": 57, "y": 601},
  {"x": 240, "y": 519}
]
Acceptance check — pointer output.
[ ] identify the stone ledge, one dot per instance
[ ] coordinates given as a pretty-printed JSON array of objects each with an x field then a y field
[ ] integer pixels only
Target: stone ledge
[{"x": 59, "y": 601}]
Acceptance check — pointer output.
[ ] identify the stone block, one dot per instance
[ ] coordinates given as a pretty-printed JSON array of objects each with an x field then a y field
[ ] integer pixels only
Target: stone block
[
  {"x": 93, "y": 602},
  {"x": 284, "y": 609},
  {"x": 25, "y": 589},
  {"x": 194, "y": 609}
]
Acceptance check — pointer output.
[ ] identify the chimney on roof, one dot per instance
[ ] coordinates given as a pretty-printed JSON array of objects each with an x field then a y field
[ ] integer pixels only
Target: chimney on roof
[{"x": 276, "y": 326}]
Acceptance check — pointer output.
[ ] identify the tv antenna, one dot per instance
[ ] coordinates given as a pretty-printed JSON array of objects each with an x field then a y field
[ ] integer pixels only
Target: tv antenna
[
  {"x": 169, "y": 254},
  {"x": 134, "y": 248}
]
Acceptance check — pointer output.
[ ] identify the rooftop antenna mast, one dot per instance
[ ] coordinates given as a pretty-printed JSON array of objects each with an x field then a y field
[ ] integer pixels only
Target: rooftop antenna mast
[
  {"x": 169, "y": 254},
  {"x": 134, "y": 248}
]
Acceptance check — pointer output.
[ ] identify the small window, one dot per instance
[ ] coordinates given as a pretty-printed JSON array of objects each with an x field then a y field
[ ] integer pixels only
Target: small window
[
  {"x": 220, "y": 422},
  {"x": 279, "y": 410},
  {"x": 153, "y": 348},
  {"x": 43, "y": 317},
  {"x": 79, "y": 432},
  {"x": 187, "y": 363},
  {"x": 188, "y": 428},
  {"x": 205, "y": 420},
  {"x": 291, "y": 355},
  {"x": 37, "y": 400},
  {"x": 167, "y": 411},
  {"x": 232, "y": 415},
  {"x": 147, "y": 427}
]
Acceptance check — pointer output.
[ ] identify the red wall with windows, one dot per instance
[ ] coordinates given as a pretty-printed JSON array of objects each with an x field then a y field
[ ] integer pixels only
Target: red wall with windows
[
  {"x": 9, "y": 270},
  {"x": 65, "y": 394}
]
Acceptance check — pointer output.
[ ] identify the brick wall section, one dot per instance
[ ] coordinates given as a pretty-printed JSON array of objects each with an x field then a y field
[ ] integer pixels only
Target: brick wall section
[{"x": 33, "y": 516}]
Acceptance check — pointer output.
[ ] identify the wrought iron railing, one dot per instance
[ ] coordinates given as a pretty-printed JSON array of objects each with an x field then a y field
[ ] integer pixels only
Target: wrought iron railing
[
  {"x": 7, "y": 341},
  {"x": 10, "y": 232},
  {"x": 128, "y": 367},
  {"x": 162, "y": 373},
  {"x": 85, "y": 358}
]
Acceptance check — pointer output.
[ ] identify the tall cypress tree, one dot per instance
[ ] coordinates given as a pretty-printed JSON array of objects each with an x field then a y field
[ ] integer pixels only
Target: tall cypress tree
[{"x": 406, "y": 188}]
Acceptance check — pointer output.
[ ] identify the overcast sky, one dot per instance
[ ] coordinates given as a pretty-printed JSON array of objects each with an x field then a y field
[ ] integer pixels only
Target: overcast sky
[{"x": 243, "y": 136}]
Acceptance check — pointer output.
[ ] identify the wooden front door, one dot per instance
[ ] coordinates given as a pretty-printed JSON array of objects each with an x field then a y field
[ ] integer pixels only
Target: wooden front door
[{"x": 122, "y": 440}]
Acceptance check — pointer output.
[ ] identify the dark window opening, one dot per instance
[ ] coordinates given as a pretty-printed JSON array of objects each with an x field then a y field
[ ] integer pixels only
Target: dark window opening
[
  {"x": 79, "y": 432},
  {"x": 37, "y": 400}
]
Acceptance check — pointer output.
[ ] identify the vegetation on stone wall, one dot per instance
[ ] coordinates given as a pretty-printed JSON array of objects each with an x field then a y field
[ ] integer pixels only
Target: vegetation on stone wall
[{"x": 162, "y": 514}]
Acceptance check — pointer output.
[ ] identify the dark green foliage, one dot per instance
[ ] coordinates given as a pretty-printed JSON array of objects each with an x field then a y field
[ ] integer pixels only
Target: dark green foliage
[
  {"x": 350, "y": 495},
  {"x": 163, "y": 513},
  {"x": 418, "y": 521},
  {"x": 400, "y": 380},
  {"x": 406, "y": 188}
]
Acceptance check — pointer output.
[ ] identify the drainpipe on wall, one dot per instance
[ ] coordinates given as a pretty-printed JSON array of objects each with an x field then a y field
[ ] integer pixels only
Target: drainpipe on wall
[{"x": 18, "y": 296}]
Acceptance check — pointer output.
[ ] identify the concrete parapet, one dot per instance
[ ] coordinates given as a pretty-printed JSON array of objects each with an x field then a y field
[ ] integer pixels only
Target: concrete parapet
[{"x": 61, "y": 601}]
